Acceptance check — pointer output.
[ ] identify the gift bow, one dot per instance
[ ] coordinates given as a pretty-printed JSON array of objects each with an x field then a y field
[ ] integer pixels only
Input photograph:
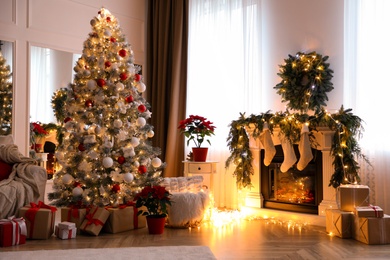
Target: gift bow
[
  {"x": 18, "y": 228},
  {"x": 375, "y": 208},
  {"x": 92, "y": 220}
]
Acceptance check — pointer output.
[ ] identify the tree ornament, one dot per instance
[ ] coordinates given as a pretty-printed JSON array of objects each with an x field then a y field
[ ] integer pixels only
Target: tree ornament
[
  {"x": 67, "y": 179},
  {"x": 156, "y": 162},
  {"x": 101, "y": 82},
  {"x": 81, "y": 147},
  {"x": 107, "y": 162},
  {"x": 107, "y": 64},
  {"x": 121, "y": 160},
  {"x": 91, "y": 84},
  {"x": 142, "y": 169},
  {"x": 122, "y": 53},
  {"x": 89, "y": 103},
  {"x": 141, "y": 121},
  {"x": 137, "y": 77},
  {"x": 66, "y": 120},
  {"x": 128, "y": 177},
  {"x": 306, "y": 78},
  {"x": 77, "y": 191},
  {"x": 150, "y": 133},
  {"x": 134, "y": 141},
  {"x": 107, "y": 33},
  {"x": 141, "y": 87},
  {"x": 142, "y": 108},
  {"x": 116, "y": 188},
  {"x": 112, "y": 39},
  {"x": 123, "y": 76},
  {"x": 118, "y": 123},
  {"x": 129, "y": 99},
  {"x": 108, "y": 19},
  {"x": 120, "y": 86}
]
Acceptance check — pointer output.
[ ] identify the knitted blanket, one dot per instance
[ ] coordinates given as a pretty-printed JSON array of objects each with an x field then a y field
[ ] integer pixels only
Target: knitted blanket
[{"x": 23, "y": 185}]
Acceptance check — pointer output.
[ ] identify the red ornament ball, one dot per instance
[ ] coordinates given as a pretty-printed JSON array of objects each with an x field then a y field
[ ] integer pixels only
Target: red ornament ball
[
  {"x": 108, "y": 19},
  {"x": 137, "y": 77},
  {"x": 81, "y": 147},
  {"x": 112, "y": 39},
  {"x": 116, "y": 188},
  {"x": 129, "y": 99},
  {"x": 107, "y": 64},
  {"x": 89, "y": 103},
  {"x": 122, "y": 53},
  {"x": 101, "y": 82},
  {"x": 76, "y": 184},
  {"x": 141, "y": 108},
  {"x": 123, "y": 76},
  {"x": 67, "y": 119},
  {"x": 121, "y": 160},
  {"x": 142, "y": 169}
]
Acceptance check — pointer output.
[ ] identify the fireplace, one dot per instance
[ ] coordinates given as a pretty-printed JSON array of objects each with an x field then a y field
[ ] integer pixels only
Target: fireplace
[{"x": 294, "y": 190}]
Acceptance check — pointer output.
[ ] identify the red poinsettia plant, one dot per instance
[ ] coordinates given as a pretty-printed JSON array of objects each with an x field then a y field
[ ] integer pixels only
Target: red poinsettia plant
[
  {"x": 196, "y": 128},
  {"x": 156, "y": 200},
  {"x": 38, "y": 130}
]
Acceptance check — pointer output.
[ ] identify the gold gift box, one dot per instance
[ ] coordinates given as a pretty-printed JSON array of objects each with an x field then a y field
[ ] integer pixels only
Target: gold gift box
[
  {"x": 123, "y": 219},
  {"x": 372, "y": 231},
  {"x": 42, "y": 227},
  {"x": 351, "y": 196},
  {"x": 339, "y": 223}
]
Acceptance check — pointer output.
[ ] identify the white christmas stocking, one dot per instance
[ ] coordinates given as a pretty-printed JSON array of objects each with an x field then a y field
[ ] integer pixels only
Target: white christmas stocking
[
  {"x": 269, "y": 147},
  {"x": 288, "y": 153},
  {"x": 304, "y": 148}
]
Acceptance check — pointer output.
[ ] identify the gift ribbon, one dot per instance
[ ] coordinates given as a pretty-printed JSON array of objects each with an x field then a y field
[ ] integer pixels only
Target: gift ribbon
[
  {"x": 73, "y": 212},
  {"x": 32, "y": 211},
  {"x": 375, "y": 208},
  {"x": 92, "y": 220},
  {"x": 18, "y": 228}
]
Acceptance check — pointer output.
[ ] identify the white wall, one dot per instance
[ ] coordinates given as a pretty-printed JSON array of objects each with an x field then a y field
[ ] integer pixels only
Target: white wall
[
  {"x": 290, "y": 26},
  {"x": 61, "y": 25}
]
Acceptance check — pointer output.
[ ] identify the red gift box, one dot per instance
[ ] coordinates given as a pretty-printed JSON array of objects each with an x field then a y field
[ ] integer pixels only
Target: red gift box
[{"x": 13, "y": 231}]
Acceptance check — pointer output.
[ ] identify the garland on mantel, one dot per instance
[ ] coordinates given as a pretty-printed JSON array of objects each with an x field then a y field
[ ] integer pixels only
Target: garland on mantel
[{"x": 345, "y": 149}]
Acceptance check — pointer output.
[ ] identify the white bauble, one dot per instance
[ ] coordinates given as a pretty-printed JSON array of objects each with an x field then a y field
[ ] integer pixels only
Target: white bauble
[
  {"x": 134, "y": 141},
  {"x": 120, "y": 86},
  {"x": 141, "y": 87},
  {"x": 91, "y": 84},
  {"x": 87, "y": 73},
  {"x": 132, "y": 153},
  {"x": 118, "y": 123},
  {"x": 128, "y": 177},
  {"x": 107, "y": 162},
  {"x": 136, "y": 164},
  {"x": 107, "y": 33},
  {"x": 156, "y": 162},
  {"x": 77, "y": 191},
  {"x": 141, "y": 121},
  {"x": 150, "y": 133},
  {"x": 67, "y": 179}
]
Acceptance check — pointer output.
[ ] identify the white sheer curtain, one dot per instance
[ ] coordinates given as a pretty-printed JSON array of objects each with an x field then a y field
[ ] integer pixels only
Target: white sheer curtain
[
  {"x": 40, "y": 88},
  {"x": 224, "y": 75},
  {"x": 367, "y": 89}
]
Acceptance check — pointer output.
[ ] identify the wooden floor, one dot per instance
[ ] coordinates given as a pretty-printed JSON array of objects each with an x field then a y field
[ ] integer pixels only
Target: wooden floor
[{"x": 258, "y": 238}]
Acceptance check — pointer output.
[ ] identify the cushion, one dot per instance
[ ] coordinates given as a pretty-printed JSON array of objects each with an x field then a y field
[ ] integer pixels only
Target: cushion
[
  {"x": 6, "y": 139},
  {"x": 5, "y": 170}
]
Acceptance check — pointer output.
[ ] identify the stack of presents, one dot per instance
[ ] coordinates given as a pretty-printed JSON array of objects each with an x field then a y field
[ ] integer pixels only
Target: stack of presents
[
  {"x": 356, "y": 218},
  {"x": 37, "y": 221}
]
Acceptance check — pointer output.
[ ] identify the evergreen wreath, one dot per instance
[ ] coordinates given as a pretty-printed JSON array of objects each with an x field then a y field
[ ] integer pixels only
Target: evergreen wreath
[{"x": 306, "y": 78}]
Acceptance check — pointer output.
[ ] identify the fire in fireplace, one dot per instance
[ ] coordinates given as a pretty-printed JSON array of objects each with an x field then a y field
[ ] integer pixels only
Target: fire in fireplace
[{"x": 294, "y": 190}]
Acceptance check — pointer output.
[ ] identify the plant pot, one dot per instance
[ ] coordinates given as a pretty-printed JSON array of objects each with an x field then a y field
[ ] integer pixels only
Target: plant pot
[
  {"x": 199, "y": 154},
  {"x": 156, "y": 224}
]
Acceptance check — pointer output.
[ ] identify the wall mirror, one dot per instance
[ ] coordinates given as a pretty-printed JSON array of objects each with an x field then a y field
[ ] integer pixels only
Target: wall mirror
[
  {"x": 50, "y": 70},
  {"x": 6, "y": 86}
]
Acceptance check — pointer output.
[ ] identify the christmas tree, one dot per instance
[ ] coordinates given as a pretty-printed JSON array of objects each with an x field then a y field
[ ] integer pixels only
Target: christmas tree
[
  {"x": 105, "y": 154},
  {"x": 5, "y": 96}
]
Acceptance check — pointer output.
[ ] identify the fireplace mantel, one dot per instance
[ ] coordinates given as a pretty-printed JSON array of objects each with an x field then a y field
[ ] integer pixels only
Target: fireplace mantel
[{"x": 323, "y": 137}]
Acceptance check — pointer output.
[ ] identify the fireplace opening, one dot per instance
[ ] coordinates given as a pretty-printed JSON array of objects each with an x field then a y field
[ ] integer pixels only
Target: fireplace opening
[{"x": 294, "y": 190}]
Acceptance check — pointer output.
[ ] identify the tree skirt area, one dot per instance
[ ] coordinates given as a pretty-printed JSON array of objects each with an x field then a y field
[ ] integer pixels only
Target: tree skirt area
[{"x": 163, "y": 252}]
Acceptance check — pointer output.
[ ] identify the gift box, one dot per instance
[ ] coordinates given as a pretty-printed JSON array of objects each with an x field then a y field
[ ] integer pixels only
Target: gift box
[
  {"x": 369, "y": 211},
  {"x": 372, "y": 231},
  {"x": 94, "y": 220},
  {"x": 339, "y": 223},
  {"x": 13, "y": 231},
  {"x": 66, "y": 230},
  {"x": 124, "y": 218},
  {"x": 75, "y": 215},
  {"x": 39, "y": 220},
  {"x": 351, "y": 196}
]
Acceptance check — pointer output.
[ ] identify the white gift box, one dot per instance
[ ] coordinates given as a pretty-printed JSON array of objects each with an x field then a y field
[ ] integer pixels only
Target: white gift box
[{"x": 66, "y": 230}]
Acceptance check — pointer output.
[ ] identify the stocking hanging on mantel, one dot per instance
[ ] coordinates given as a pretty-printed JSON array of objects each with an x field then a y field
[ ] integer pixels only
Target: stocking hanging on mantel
[
  {"x": 304, "y": 148},
  {"x": 269, "y": 147},
  {"x": 288, "y": 153}
]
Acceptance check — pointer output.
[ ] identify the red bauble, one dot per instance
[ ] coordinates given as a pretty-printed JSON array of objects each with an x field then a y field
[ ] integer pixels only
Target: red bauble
[
  {"x": 129, "y": 99},
  {"x": 101, "y": 82},
  {"x": 77, "y": 184},
  {"x": 108, "y": 19},
  {"x": 142, "y": 169},
  {"x": 81, "y": 147},
  {"x": 123, "y": 76},
  {"x": 121, "y": 160},
  {"x": 137, "y": 77},
  {"x": 89, "y": 103},
  {"x": 112, "y": 39},
  {"x": 141, "y": 108},
  {"x": 67, "y": 119},
  {"x": 116, "y": 188},
  {"x": 107, "y": 64},
  {"x": 122, "y": 53}
]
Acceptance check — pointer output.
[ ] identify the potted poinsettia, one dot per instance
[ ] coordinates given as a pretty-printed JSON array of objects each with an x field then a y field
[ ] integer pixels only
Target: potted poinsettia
[
  {"x": 196, "y": 129},
  {"x": 37, "y": 136},
  {"x": 156, "y": 200}
]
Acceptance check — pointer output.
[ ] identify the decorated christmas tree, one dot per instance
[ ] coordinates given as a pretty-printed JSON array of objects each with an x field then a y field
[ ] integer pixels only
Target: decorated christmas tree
[
  {"x": 105, "y": 155},
  {"x": 5, "y": 97}
]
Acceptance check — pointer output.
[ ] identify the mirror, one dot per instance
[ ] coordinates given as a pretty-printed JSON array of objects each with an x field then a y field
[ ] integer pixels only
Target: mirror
[
  {"x": 50, "y": 70},
  {"x": 6, "y": 87}
]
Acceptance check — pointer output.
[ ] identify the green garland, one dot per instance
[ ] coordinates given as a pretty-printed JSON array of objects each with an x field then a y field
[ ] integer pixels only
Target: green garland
[
  {"x": 306, "y": 78},
  {"x": 345, "y": 149}
]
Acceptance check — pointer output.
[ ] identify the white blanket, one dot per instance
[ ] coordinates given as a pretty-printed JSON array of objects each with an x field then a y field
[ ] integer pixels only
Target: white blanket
[{"x": 23, "y": 186}]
